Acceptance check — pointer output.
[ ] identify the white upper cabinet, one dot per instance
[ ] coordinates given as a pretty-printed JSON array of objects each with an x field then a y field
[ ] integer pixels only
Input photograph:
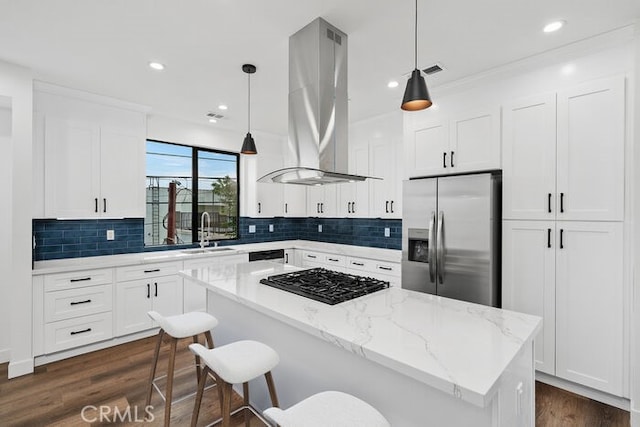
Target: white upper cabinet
[
  {"x": 269, "y": 197},
  {"x": 474, "y": 143},
  {"x": 385, "y": 136},
  {"x": 459, "y": 143},
  {"x": 295, "y": 200},
  {"x": 529, "y": 158},
  {"x": 322, "y": 201},
  {"x": 564, "y": 159},
  {"x": 353, "y": 197},
  {"x": 589, "y": 304},
  {"x": 591, "y": 151},
  {"x": 93, "y": 155}
]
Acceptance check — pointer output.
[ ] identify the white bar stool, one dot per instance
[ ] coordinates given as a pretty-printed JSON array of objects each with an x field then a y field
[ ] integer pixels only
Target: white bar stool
[
  {"x": 177, "y": 327},
  {"x": 329, "y": 408},
  {"x": 235, "y": 363}
]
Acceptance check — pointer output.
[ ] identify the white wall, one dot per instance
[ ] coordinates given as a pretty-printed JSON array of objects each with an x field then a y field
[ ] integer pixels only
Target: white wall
[
  {"x": 5, "y": 218},
  {"x": 17, "y": 83},
  {"x": 208, "y": 136},
  {"x": 635, "y": 350}
]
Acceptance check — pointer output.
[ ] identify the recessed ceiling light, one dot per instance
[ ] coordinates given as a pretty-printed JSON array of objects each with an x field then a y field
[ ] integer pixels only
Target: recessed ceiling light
[
  {"x": 222, "y": 107},
  {"x": 392, "y": 84},
  {"x": 156, "y": 66},
  {"x": 568, "y": 69},
  {"x": 553, "y": 26},
  {"x": 213, "y": 121}
]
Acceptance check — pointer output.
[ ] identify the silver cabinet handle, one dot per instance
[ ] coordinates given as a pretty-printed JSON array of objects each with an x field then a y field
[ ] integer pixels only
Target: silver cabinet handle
[
  {"x": 431, "y": 252},
  {"x": 441, "y": 247}
]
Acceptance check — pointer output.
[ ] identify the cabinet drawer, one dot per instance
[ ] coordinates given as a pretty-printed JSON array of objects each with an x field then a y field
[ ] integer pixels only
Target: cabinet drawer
[
  {"x": 388, "y": 268},
  {"x": 337, "y": 260},
  {"x": 78, "y": 302},
  {"x": 77, "y": 279},
  {"x": 135, "y": 272},
  {"x": 361, "y": 264},
  {"x": 76, "y": 332},
  {"x": 313, "y": 256}
]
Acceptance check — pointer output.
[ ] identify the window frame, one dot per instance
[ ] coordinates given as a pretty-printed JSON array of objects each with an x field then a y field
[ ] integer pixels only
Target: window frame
[{"x": 195, "y": 176}]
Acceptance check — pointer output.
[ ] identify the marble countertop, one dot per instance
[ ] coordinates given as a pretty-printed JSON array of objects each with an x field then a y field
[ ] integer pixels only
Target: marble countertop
[
  {"x": 457, "y": 347},
  {"x": 74, "y": 264}
]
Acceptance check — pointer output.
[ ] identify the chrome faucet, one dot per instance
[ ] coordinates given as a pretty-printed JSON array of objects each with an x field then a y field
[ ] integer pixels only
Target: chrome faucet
[{"x": 202, "y": 241}]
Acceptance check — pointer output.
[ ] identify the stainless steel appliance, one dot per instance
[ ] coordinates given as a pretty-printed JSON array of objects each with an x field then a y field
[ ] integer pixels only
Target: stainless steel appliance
[
  {"x": 327, "y": 286},
  {"x": 451, "y": 228},
  {"x": 275, "y": 255}
]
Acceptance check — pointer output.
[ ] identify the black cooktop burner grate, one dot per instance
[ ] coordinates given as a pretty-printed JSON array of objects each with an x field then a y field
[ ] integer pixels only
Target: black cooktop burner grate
[{"x": 327, "y": 286}]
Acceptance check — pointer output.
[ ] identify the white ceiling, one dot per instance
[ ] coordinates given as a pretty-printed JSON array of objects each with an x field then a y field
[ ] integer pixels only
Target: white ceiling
[{"x": 103, "y": 46}]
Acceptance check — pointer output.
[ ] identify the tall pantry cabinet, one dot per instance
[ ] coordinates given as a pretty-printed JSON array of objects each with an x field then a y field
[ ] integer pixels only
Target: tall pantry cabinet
[{"x": 563, "y": 207}]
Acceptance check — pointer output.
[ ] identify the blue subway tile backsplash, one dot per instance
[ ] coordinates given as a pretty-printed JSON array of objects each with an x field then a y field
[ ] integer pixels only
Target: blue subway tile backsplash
[{"x": 57, "y": 239}]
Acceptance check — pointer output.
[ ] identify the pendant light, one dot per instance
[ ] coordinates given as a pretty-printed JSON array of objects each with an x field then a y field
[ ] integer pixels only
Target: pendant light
[
  {"x": 249, "y": 145},
  {"x": 416, "y": 96}
]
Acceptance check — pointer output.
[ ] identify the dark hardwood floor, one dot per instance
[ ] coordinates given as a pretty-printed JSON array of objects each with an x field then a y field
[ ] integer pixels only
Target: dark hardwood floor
[{"x": 116, "y": 378}]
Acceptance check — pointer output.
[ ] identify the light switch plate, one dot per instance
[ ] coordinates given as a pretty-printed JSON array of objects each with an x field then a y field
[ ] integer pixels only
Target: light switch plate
[
  {"x": 252, "y": 229},
  {"x": 319, "y": 228},
  {"x": 111, "y": 234},
  {"x": 270, "y": 228},
  {"x": 387, "y": 232}
]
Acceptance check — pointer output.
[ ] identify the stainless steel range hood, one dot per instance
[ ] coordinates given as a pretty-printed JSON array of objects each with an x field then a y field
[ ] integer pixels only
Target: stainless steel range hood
[{"x": 318, "y": 111}]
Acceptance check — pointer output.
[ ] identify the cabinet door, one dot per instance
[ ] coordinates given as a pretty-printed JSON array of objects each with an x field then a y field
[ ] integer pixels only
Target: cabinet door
[
  {"x": 133, "y": 300},
  {"x": 529, "y": 158},
  {"x": 359, "y": 165},
  {"x": 72, "y": 168},
  {"x": 346, "y": 197},
  {"x": 322, "y": 201},
  {"x": 528, "y": 280},
  {"x": 295, "y": 200},
  {"x": 384, "y": 195},
  {"x": 315, "y": 194},
  {"x": 269, "y": 197},
  {"x": 427, "y": 149},
  {"x": 591, "y": 151},
  {"x": 121, "y": 174},
  {"x": 167, "y": 295},
  {"x": 589, "y": 304},
  {"x": 475, "y": 141}
]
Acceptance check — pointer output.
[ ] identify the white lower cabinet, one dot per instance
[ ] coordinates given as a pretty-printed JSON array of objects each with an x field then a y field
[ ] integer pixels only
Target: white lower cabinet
[
  {"x": 376, "y": 269},
  {"x": 570, "y": 273},
  {"x": 152, "y": 287}
]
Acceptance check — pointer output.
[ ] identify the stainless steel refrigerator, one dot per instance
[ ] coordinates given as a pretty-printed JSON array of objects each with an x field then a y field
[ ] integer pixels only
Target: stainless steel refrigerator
[{"x": 451, "y": 236}]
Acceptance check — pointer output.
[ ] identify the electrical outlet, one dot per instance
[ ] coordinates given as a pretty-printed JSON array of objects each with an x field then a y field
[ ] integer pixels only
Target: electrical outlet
[
  {"x": 387, "y": 232},
  {"x": 111, "y": 235},
  {"x": 252, "y": 229},
  {"x": 270, "y": 228},
  {"x": 319, "y": 228}
]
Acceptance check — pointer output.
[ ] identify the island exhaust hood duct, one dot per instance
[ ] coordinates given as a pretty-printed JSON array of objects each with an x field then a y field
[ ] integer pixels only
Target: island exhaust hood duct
[{"x": 318, "y": 111}]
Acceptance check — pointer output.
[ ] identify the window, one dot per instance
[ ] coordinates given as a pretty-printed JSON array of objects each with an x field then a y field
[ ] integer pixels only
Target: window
[{"x": 182, "y": 184}]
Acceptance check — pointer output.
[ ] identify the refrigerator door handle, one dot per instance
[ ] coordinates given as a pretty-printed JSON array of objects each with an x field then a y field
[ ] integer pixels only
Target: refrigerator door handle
[
  {"x": 431, "y": 252},
  {"x": 441, "y": 248}
]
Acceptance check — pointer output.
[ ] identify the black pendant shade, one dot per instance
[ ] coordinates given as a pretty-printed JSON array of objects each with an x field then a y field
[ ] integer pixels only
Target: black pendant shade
[
  {"x": 416, "y": 95},
  {"x": 249, "y": 145}
]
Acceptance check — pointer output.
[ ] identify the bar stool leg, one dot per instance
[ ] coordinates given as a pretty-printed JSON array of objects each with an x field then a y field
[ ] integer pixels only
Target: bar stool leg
[
  {"x": 154, "y": 365},
  {"x": 169, "y": 392},
  {"x": 195, "y": 341},
  {"x": 209, "y": 339},
  {"x": 226, "y": 405},
  {"x": 202, "y": 379},
  {"x": 272, "y": 389},
  {"x": 245, "y": 392}
]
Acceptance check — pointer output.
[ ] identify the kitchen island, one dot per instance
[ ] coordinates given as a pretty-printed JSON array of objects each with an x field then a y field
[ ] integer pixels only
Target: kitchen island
[{"x": 420, "y": 359}]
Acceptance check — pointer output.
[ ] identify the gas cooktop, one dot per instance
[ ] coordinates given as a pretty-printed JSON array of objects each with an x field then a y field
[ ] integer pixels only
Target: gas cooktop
[{"x": 327, "y": 286}]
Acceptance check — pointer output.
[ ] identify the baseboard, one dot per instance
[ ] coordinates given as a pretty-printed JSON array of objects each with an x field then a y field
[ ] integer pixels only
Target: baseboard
[
  {"x": 600, "y": 396},
  {"x": 635, "y": 418},
  {"x": 65, "y": 354},
  {"x": 5, "y": 355},
  {"x": 19, "y": 368}
]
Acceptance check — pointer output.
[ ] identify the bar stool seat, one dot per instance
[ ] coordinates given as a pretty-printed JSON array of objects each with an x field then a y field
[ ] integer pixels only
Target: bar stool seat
[
  {"x": 185, "y": 325},
  {"x": 328, "y": 408},
  {"x": 177, "y": 327},
  {"x": 235, "y": 363}
]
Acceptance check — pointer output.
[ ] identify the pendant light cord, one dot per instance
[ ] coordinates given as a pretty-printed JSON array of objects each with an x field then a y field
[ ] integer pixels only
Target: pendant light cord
[
  {"x": 249, "y": 103},
  {"x": 415, "y": 44}
]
